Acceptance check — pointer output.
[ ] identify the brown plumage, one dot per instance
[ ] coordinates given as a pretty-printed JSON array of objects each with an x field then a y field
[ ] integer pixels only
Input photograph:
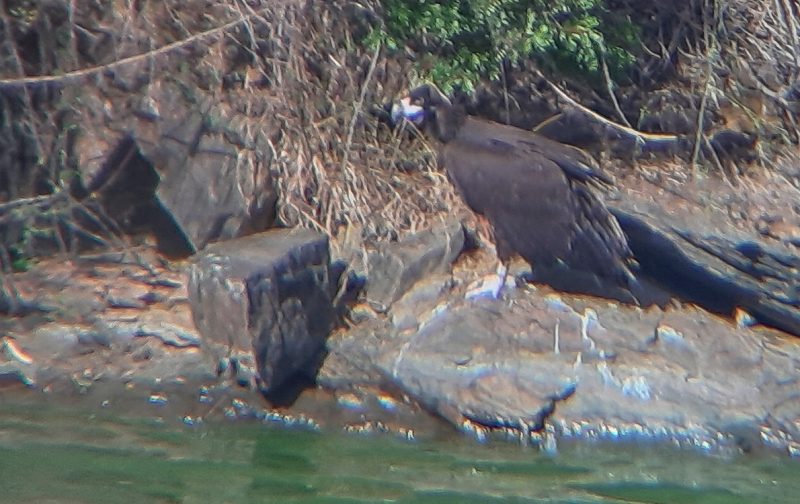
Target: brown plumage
[{"x": 536, "y": 193}]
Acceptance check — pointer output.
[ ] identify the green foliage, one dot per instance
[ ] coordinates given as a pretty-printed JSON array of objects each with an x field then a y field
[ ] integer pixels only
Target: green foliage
[
  {"x": 461, "y": 41},
  {"x": 19, "y": 261}
]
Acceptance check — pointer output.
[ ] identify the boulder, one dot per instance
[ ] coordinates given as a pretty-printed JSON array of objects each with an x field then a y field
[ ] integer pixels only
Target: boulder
[
  {"x": 265, "y": 302},
  {"x": 395, "y": 267},
  {"x": 184, "y": 181}
]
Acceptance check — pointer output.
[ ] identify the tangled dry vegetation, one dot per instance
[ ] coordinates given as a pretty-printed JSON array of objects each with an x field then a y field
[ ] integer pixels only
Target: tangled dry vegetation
[
  {"x": 338, "y": 167},
  {"x": 746, "y": 66},
  {"x": 289, "y": 78},
  {"x": 284, "y": 76}
]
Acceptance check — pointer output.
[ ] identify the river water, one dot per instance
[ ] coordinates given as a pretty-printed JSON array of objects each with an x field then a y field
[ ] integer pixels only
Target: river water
[{"x": 69, "y": 455}]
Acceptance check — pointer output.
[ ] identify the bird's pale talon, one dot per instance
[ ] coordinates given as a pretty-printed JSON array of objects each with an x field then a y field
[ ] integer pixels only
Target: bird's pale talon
[{"x": 489, "y": 286}]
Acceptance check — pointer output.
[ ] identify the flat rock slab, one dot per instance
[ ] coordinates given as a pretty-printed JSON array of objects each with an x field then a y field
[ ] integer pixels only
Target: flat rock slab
[
  {"x": 266, "y": 302},
  {"x": 587, "y": 368},
  {"x": 113, "y": 318}
]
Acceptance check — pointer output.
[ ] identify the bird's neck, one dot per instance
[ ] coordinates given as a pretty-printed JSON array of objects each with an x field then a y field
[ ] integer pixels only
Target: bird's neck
[{"x": 448, "y": 121}]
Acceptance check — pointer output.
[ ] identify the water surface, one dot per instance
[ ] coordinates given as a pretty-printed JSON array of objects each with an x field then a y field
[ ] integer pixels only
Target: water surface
[{"x": 56, "y": 454}]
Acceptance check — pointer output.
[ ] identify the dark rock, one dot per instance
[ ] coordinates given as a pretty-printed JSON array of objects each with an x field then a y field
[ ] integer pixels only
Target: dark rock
[
  {"x": 521, "y": 107},
  {"x": 572, "y": 128},
  {"x": 95, "y": 338},
  {"x": 750, "y": 249},
  {"x": 267, "y": 301},
  {"x": 126, "y": 188},
  {"x": 395, "y": 267},
  {"x": 178, "y": 176},
  {"x": 709, "y": 271},
  {"x": 735, "y": 145},
  {"x": 733, "y": 150},
  {"x": 195, "y": 161},
  {"x": 150, "y": 298},
  {"x": 158, "y": 282},
  {"x": 66, "y": 340}
]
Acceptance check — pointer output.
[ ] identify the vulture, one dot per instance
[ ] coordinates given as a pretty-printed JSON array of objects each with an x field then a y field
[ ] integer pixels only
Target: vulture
[{"x": 534, "y": 198}]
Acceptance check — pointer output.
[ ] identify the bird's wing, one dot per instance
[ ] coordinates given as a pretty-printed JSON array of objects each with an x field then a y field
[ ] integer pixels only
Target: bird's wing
[
  {"x": 537, "y": 209},
  {"x": 576, "y": 163}
]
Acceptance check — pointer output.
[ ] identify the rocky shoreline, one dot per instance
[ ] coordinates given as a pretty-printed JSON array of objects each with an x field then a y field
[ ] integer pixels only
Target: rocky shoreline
[
  {"x": 228, "y": 231},
  {"x": 273, "y": 315}
]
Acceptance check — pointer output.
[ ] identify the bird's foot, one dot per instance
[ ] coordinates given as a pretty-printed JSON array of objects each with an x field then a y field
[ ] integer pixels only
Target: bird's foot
[
  {"x": 488, "y": 286},
  {"x": 491, "y": 286}
]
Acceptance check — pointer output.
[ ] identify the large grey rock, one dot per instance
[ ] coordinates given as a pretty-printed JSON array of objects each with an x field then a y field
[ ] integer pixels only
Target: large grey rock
[
  {"x": 585, "y": 368},
  {"x": 266, "y": 301},
  {"x": 211, "y": 191},
  {"x": 395, "y": 267},
  {"x": 186, "y": 177}
]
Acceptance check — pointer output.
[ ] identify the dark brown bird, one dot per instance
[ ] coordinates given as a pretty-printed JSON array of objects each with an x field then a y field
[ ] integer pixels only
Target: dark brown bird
[{"x": 535, "y": 193}]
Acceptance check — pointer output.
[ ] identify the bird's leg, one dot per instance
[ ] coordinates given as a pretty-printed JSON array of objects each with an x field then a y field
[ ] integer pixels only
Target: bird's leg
[
  {"x": 557, "y": 338},
  {"x": 589, "y": 316},
  {"x": 491, "y": 285}
]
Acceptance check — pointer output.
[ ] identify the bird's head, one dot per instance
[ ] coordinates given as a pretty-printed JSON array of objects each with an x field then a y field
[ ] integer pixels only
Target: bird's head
[
  {"x": 420, "y": 106},
  {"x": 429, "y": 110}
]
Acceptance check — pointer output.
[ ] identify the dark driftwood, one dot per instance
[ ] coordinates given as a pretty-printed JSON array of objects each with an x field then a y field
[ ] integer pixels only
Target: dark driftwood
[{"x": 716, "y": 272}]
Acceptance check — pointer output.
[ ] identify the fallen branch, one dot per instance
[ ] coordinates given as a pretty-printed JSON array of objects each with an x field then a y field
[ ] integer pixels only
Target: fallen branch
[{"x": 640, "y": 135}]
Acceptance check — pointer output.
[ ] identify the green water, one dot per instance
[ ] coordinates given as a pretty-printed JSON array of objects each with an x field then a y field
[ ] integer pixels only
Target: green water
[{"x": 73, "y": 457}]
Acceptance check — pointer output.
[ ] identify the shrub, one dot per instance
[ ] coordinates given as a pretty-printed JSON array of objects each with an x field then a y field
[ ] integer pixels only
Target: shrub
[{"x": 462, "y": 41}]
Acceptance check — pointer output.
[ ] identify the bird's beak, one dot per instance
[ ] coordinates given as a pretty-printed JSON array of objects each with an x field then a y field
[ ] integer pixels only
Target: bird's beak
[{"x": 405, "y": 110}]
